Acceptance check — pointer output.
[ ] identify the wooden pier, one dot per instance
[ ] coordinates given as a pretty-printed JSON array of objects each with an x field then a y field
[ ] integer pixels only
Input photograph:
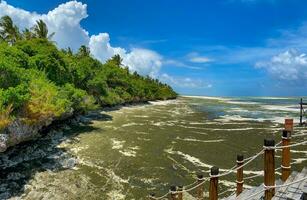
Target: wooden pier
[{"x": 291, "y": 186}]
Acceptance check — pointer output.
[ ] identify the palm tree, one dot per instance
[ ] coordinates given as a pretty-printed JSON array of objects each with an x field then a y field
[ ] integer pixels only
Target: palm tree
[
  {"x": 117, "y": 60},
  {"x": 27, "y": 34},
  {"x": 8, "y": 31},
  {"x": 84, "y": 51},
  {"x": 40, "y": 30}
]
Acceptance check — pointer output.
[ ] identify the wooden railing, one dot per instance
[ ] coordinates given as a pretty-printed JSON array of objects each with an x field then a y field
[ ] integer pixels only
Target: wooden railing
[{"x": 177, "y": 193}]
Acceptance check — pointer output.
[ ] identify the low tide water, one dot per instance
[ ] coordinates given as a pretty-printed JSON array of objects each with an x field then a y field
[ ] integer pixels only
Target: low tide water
[{"x": 130, "y": 152}]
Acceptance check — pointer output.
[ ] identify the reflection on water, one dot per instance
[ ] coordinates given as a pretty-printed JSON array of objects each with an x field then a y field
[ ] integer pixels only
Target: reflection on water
[{"x": 130, "y": 152}]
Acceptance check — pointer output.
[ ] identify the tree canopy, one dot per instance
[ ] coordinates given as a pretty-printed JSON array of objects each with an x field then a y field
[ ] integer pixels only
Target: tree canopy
[{"x": 39, "y": 81}]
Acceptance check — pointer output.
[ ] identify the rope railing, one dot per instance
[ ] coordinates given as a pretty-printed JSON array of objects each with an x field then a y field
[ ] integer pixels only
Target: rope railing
[
  {"x": 230, "y": 171},
  {"x": 269, "y": 148},
  {"x": 275, "y": 186},
  {"x": 287, "y": 146}
]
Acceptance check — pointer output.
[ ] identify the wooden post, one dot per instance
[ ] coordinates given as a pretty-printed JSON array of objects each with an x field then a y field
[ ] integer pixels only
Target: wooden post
[
  {"x": 152, "y": 196},
  {"x": 200, "y": 189},
  {"x": 269, "y": 168},
  {"x": 239, "y": 181},
  {"x": 289, "y": 125},
  {"x": 180, "y": 195},
  {"x": 213, "y": 188},
  {"x": 301, "y": 112},
  {"x": 286, "y": 157},
  {"x": 172, "y": 194}
]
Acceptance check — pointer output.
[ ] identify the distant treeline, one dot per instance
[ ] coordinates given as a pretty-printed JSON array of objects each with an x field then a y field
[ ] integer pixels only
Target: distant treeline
[{"x": 38, "y": 81}]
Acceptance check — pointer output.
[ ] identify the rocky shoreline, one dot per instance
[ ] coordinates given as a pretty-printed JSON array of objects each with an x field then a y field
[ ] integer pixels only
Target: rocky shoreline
[{"x": 18, "y": 131}]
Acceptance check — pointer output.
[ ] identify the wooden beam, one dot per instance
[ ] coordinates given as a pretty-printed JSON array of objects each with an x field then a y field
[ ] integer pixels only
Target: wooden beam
[
  {"x": 239, "y": 181},
  {"x": 269, "y": 168},
  {"x": 285, "y": 160},
  {"x": 213, "y": 188}
]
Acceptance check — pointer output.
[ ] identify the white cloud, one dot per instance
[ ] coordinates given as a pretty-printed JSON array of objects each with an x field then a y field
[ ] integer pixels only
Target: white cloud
[
  {"x": 101, "y": 48},
  {"x": 177, "y": 63},
  {"x": 144, "y": 61},
  {"x": 196, "y": 58},
  {"x": 65, "y": 20},
  {"x": 289, "y": 65},
  {"x": 184, "y": 82}
]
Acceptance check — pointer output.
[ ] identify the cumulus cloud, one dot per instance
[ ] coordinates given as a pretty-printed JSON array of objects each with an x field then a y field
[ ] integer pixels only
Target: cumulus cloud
[
  {"x": 290, "y": 65},
  {"x": 184, "y": 82},
  {"x": 101, "y": 48},
  {"x": 144, "y": 61},
  {"x": 65, "y": 20}
]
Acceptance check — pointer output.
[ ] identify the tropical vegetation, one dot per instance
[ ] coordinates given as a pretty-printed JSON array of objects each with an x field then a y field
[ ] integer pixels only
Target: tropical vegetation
[{"x": 38, "y": 81}]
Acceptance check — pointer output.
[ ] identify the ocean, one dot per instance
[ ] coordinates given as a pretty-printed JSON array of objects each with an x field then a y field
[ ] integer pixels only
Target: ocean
[{"x": 130, "y": 152}]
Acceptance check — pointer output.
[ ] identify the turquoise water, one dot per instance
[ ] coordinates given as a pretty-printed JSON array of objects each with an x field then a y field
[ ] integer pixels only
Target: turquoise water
[{"x": 130, "y": 152}]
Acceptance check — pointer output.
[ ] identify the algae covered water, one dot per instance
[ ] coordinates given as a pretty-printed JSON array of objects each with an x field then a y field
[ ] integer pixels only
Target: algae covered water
[{"x": 130, "y": 152}]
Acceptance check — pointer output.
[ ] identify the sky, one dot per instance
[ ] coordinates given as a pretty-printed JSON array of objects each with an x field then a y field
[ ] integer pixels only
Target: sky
[{"x": 199, "y": 47}]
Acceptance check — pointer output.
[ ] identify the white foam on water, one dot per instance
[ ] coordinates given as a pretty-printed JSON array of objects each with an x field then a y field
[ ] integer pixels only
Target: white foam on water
[
  {"x": 238, "y": 110},
  {"x": 299, "y": 160},
  {"x": 286, "y": 108},
  {"x": 116, "y": 195},
  {"x": 76, "y": 150},
  {"x": 198, "y": 163},
  {"x": 165, "y": 123},
  {"x": 210, "y": 98},
  {"x": 141, "y": 116},
  {"x": 117, "y": 144},
  {"x": 233, "y": 129},
  {"x": 277, "y": 98},
  {"x": 141, "y": 133},
  {"x": 128, "y": 153},
  {"x": 196, "y": 140},
  {"x": 242, "y": 102},
  {"x": 130, "y": 124},
  {"x": 197, "y": 123},
  {"x": 228, "y": 118},
  {"x": 149, "y": 180},
  {"x": 144, "y": 139},
  {"x": 200, "y": 133},
  {"x": 166, "y": 102},
  {"x": 297, "y": 151}
]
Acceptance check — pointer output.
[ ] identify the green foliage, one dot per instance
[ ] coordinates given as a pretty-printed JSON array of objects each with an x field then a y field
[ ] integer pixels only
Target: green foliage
[
  {"x": 80, "y": 100},
  {"x": 40, "y": 30},
  {"x": 39, "y": 82},
  {"x": 9, "y": 32},
  {"x": 15, "y": 97}
]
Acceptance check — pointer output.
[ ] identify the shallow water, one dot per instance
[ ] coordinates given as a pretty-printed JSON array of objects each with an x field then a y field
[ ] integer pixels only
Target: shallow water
[{"x": 131, "y": 152}]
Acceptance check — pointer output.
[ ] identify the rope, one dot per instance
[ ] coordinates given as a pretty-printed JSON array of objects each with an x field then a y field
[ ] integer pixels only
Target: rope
[
  {"x": 253, "y": 176},
  {"x": 282, "y": 147},
  {"x": 192, "y": 188},
  {"x": 276, "y": 186},
  {"x": 232, "y": 170},
  {"x": 161, "y": 197},
  {"x": 284, "y": 185},
  {"x": 224, "y": 192},
  {"x": 190, "y": 184}
]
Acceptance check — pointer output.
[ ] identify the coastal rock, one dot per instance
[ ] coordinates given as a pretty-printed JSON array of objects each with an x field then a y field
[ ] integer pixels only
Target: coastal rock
[
  {"x": 3, "y": 142},
  {"x": 19, "y": 131}
]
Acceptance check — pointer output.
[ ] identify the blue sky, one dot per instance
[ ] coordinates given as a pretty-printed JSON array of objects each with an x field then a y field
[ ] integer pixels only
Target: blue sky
[{"x": 216, "y": 48}]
